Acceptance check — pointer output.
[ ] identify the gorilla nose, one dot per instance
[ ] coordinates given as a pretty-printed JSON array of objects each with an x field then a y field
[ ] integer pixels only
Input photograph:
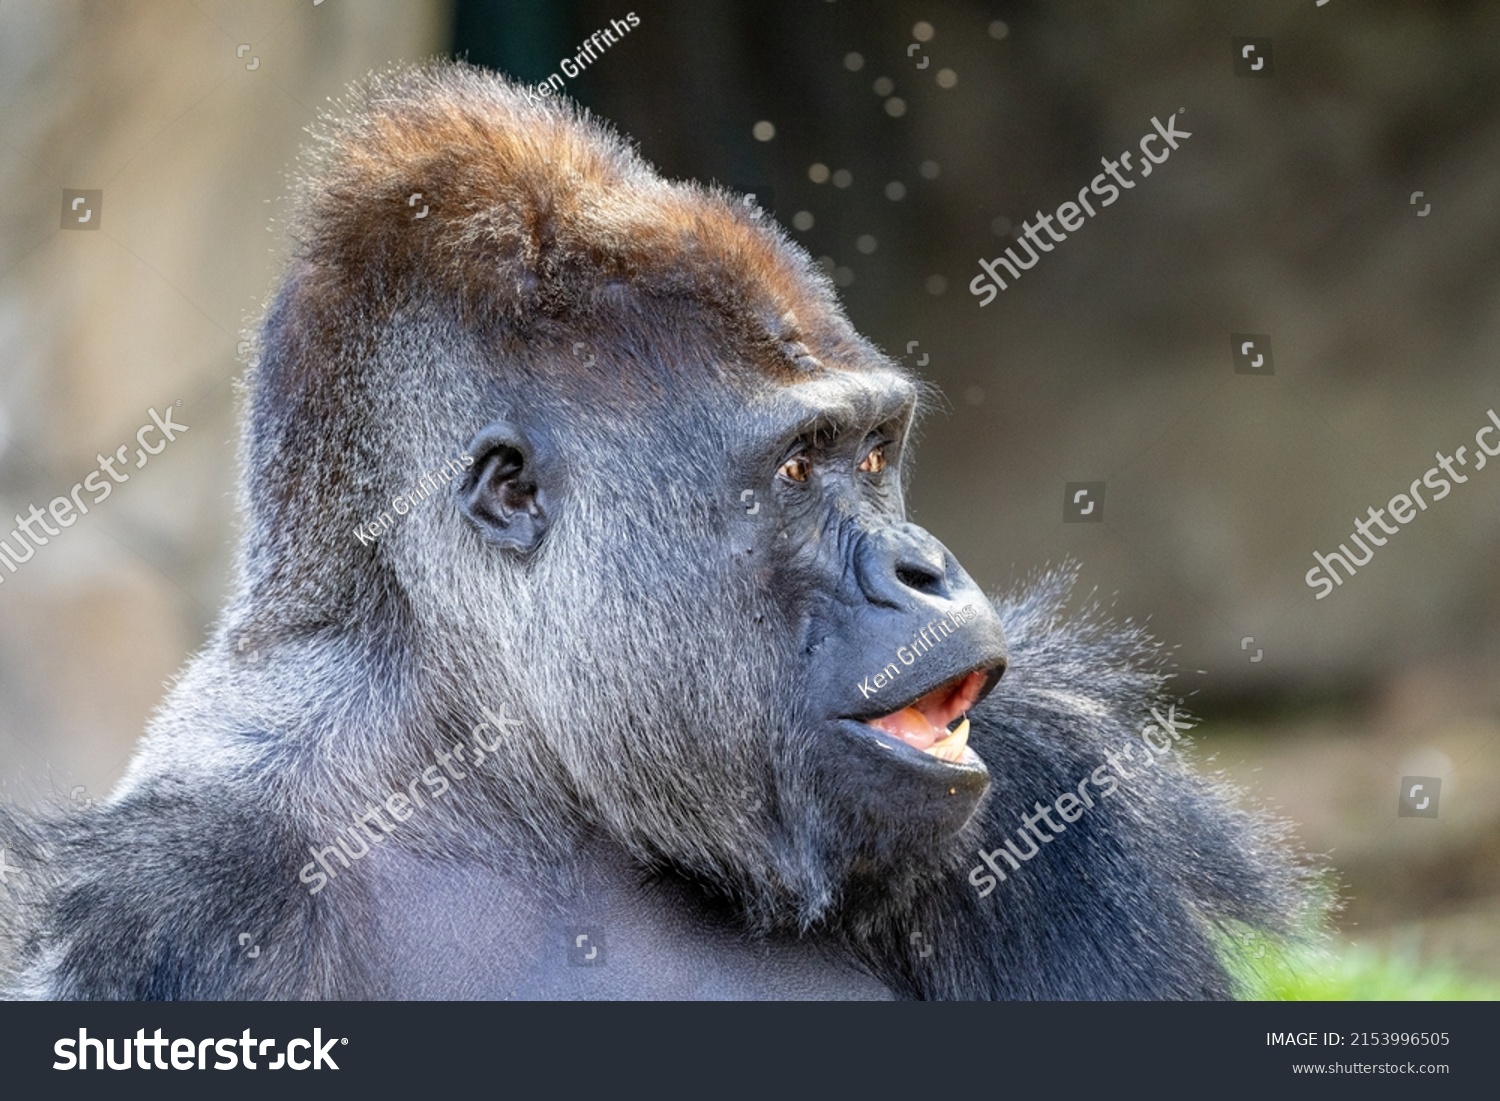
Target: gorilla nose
[{"x": 896, "y": 565}]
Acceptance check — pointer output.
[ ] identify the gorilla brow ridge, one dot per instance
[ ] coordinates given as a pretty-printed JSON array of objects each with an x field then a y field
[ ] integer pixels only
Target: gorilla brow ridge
[{"x": 854, "y": 402}]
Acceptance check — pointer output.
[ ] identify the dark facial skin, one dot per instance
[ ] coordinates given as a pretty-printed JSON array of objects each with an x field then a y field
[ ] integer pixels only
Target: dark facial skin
[{"x": 863, "y": 584}]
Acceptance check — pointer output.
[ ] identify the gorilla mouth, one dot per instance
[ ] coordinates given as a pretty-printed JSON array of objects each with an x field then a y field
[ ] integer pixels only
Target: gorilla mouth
[{"x": 923, "y": 723}]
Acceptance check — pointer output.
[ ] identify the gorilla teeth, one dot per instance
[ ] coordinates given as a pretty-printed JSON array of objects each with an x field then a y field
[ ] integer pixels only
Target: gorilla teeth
[
  {"x": 923, "y": 724},
  {"x": 918, "y": 731},
  {"x": 952, "y": 747}
]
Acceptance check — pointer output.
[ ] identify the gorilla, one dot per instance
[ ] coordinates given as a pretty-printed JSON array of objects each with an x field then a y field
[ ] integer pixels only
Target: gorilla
[{"x": 579, "y": 645}]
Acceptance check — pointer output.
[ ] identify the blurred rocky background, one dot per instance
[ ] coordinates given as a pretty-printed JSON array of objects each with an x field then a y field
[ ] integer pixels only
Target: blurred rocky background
[{"x": 901, "y": 142}]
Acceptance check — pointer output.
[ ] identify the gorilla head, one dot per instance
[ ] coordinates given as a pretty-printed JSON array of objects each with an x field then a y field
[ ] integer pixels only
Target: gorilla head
[
  {"x": 681, "y": 551},
  {"x": 539, "y": 440}
]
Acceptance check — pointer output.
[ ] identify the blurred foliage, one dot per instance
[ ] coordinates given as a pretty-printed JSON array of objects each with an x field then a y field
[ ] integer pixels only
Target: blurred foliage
[{"x": 1340, "y": 971}]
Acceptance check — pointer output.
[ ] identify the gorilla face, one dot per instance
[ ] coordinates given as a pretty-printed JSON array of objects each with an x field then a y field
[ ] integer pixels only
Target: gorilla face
[
  {"x": 774, "y": 666},
  {"x": 895, "y": 641}
]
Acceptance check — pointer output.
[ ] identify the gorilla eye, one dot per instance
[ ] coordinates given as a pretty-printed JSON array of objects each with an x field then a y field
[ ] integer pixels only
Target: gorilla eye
[
  {"x": 875, "y": 461},
  {"x": 797, "y": 468}
]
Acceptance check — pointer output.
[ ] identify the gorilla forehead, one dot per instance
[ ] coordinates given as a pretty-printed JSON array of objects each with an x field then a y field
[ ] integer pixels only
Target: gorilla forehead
[{"x": 538, "y": 213}]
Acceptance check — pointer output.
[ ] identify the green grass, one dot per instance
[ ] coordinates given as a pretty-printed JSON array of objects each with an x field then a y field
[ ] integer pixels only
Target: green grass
[{"x": 1339, "y": 971}]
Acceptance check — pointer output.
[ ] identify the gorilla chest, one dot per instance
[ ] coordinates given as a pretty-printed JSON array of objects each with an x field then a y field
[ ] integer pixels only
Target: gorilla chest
[{"x": 446, "y": 931}]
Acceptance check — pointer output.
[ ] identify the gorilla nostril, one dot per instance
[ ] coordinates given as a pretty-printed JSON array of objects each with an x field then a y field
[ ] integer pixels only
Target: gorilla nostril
[{"x": 919, "y": 577}]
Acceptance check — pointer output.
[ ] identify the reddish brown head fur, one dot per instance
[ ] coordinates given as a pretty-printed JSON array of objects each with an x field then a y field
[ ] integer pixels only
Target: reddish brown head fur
[{"x": 535, "y": 210}]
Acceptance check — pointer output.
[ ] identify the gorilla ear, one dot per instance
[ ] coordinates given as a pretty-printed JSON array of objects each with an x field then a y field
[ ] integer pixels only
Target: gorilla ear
[{"x": 502, "y": 493}]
